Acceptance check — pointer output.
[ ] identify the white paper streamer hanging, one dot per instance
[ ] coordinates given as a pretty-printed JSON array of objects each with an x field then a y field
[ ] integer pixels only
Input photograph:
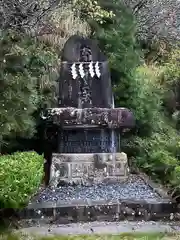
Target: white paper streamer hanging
[
  {"x": 81, "y": 70},
  {"x": 91, "y": 69},
  {"x": 97, "y": 70},
  {"x": 73, "y": 71}
]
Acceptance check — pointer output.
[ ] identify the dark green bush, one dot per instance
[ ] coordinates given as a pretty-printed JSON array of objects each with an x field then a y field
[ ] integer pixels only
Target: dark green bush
[
  {"x": 27, "y": 84},
  {"x": 154, "y": 146},
  {"x": 20, "y": 176}
]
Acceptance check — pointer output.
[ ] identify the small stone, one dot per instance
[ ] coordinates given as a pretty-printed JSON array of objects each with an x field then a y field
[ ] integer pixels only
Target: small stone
[
  {"x": 171, "y": 216},
  {"x": 39, "y": 212}
]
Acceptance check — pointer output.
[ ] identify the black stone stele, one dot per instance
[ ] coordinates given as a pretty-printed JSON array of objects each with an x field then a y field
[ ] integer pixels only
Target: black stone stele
[
  {"x": 84, "y": 91},
  {"x": 86, "y": 141}
]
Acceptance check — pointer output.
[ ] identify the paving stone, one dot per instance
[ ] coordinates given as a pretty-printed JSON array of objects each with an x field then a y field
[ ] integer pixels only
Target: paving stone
[{"x": 102, "y": 228}]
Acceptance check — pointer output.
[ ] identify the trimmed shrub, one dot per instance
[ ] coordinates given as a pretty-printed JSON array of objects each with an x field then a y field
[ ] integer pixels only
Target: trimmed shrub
[{"x": 20, "y": 176}]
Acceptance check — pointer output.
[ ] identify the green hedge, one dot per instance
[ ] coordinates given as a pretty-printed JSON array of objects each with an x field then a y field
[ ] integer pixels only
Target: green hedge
[{"x": 20, "y": 176}]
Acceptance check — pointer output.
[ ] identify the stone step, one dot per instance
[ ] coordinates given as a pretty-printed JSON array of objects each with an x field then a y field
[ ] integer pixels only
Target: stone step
[
  {"x": 64, "y": 214},
  {"x": 135, "y": 199}
]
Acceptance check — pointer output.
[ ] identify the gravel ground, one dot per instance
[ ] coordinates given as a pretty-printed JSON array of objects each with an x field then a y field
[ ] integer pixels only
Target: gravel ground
[{"x": 135, "y": 188}]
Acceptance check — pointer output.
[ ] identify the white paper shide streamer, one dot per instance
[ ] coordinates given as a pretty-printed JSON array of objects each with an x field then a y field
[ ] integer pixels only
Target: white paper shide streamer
[
  {"x": 81, "y": 70},
  {"x": 97, "y": 70},
  {"x": 73, "y": 71},
  {"x": 91, "y": 69}
]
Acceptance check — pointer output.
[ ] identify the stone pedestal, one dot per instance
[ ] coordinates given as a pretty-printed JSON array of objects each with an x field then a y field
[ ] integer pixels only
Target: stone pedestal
[{"x": 88, "y": 168}]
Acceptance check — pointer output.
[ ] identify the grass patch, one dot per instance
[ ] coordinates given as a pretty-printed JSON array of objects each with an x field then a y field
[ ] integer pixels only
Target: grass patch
[
  {"x": 109, "y": 237},
  {"x": 128, "y": 236}
]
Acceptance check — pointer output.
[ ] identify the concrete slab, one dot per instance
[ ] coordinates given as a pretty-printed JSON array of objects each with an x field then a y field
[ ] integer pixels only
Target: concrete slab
[{"x": 103, "y": 228}]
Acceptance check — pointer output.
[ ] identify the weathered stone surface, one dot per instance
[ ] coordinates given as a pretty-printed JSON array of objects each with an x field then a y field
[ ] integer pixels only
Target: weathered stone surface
[
  {"x": 111, "y": 118},
  {"x": 82, "y": 55},
  {"x": 88, "y": 168}
]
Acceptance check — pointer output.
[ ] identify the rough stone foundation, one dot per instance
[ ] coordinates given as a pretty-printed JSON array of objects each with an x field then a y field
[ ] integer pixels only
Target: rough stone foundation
[{"x": 88, "y": 168}]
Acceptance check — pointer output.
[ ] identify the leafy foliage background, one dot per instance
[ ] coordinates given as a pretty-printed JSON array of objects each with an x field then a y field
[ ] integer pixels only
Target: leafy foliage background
[
  {"x": 150, "y": 89},
  {"x": 26, "y": 83}
]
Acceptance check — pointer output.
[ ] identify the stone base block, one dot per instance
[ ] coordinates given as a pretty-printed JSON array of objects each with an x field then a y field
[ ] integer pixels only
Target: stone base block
[{"x": 88, "y": 168}]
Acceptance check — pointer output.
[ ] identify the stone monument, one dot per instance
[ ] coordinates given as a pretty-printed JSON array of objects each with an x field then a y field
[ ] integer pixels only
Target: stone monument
[
  {"x": 89, "y": 178},
  {"x": 88, "y": 149}
]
